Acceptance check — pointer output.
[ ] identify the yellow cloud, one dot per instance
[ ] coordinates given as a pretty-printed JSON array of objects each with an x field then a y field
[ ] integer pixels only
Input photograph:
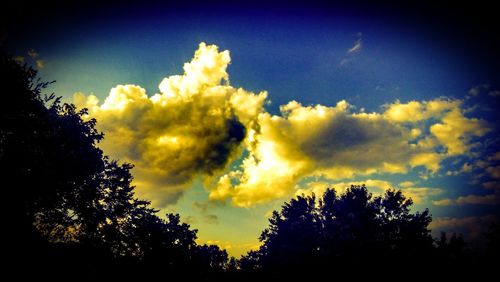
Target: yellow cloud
[
  {"x": 40, "y": 64},
  {"x": 455, "y": 131},
  {"x": 335, "y": 142},
  {"x": 318, "y": 140},
  {"x": 375, "y": 186},
  {"x": 406, "y": 184},
  {"x": 194, "y": 126},
  {"x": 429, "y": 160},
  {"x": 419, "y": 195},
  {"x": 199, "y": 123},
  {"x": 410, "y": 112},
  {"x": 20, "y": 60}
]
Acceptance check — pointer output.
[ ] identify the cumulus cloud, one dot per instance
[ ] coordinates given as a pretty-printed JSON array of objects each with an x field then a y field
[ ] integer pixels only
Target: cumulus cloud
[
  {"x": 198, "y": 124},
  {"x": 194, "y": 126},
  {"x": 320, "y": 140},
  {"x": 337, "y": 142},
  {"x": 453, "y": 130}
]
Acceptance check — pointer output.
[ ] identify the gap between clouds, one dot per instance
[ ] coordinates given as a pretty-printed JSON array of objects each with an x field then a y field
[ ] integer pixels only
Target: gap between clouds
[{"x": 199, "y": 124}]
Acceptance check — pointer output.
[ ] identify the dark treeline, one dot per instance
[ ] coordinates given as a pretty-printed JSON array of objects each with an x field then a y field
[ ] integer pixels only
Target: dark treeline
[{"x": 70, "y": 212}]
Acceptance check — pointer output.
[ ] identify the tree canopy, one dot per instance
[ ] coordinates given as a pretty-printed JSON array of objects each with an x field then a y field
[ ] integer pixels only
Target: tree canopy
[
  {"x": 352, "y": 227},
  {"x": 72, "y": 209}
]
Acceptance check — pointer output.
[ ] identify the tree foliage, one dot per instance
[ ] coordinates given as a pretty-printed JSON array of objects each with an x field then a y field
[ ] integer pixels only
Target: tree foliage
[
  {"x": 339, "y": 229},
  {"x": 72, "y": 208}
]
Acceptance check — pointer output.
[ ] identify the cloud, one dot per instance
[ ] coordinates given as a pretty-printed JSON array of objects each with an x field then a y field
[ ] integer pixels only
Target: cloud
[
  {"x": 33, "y": 54},
  {"x": 356, "y": 48},
  {"x": 494, "y": 171},
  {"x": 492, "y": 185},
  {"x": 190, "y": 220},
  {"x": 337, "y": 142},
  {"x": 193, "y": 127},
  {"x": 33, "y": 58},
  {"x": 211, "y": 219},
  {"x": 40, "y": 64},
  {"x": 224, "y": 245},
  {"x": 473, "y": 227},
  {"x": 319, "y": 140},
  {"x": 353, "y": 51},
  {"x": 199, "y": 124},
  {"x": 490, "y": 199},
  {"x": 406, "y": 184},
  {"x": 495, "y": 93},
  {"x": 494, "y": 157},
  {"x": 375, "y": 186},
  {"x": 20, "y": 60},
  {"x": 466, "y": 168},
  {"x": 476, "y": 90},
  {"x": 454, "y": 130},
  {"x": 234, "y": 249}
]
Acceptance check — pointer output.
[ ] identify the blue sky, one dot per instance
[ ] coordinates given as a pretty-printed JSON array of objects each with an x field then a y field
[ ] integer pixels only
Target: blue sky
[{"x": 312, "y": 56}]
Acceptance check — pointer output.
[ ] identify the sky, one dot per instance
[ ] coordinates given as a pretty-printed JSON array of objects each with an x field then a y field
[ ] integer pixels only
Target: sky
[{"x": 229, "y": 111}]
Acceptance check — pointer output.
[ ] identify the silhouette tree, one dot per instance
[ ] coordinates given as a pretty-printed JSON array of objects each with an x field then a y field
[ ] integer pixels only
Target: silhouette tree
[
  {"x": 71, "y": 209},
  {"x": 493, "y": 241},
  {"x": 213, "y": 259},
  {"x": 48, "y": 158},
  {"x": 338, "y": 230},
  {"x": 293, "y": 236}
]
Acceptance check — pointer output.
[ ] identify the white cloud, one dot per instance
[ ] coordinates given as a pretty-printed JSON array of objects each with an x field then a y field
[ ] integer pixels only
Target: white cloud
[
  {"x": 356, "y": 48},
  {"x": 476, "y": 90}
]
